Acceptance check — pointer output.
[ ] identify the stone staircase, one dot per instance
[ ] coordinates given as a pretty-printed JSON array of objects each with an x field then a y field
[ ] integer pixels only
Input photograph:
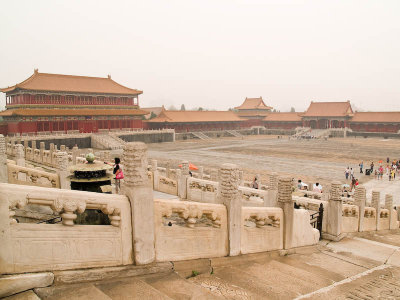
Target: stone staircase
[
  {"x": 308, "y": 273},
  {"x": 201, "y": 135},
  {"x": 107, "y": 141},
  {"x": 234, "y": 133}
]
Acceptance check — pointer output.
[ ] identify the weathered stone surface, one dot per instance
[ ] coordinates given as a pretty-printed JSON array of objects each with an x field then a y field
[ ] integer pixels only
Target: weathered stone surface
[
  {"x": 87, "y": 275},
  {"x": 28, "y": 295},
  {"x": 132, "y": 289},
  {"x": 72, "y": 292},
  {"x": 13, "y": 284}
]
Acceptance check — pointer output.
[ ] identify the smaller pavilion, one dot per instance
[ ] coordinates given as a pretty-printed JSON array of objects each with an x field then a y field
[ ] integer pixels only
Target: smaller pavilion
[
  {"x": 253, "y": 108},
  {"x": 322, "y": 115}
]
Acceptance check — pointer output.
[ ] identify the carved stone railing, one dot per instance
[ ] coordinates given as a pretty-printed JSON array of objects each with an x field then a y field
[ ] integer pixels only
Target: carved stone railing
[
  {"x": 201, "y": 190},
  {"x": 350, "y": 218},
  {"x": 184, "y": 230},
  {"x": 34, "y": 177},
  {"x": 28, "y": 247},
  {"x": 253, "y": 197},
  {"x": 261, "y": 229},
  {"x": 166, "y": 185},
  {"x": 369, "y": 219}
]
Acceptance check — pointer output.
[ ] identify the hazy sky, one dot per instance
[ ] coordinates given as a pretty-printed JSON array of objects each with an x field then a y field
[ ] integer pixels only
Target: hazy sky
[{"x": 213, "y": 53}]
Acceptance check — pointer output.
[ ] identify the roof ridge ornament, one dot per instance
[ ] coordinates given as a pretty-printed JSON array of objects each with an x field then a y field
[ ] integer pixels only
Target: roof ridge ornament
[
  {"x": 35, "y": 71},
  {"x": 109, "y": 76}
]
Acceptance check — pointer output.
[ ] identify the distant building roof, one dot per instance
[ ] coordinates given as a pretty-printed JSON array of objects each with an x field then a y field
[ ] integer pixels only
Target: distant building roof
[
  {"x": 71, "y": 83},
  {"x": 72, "y": 112},
  {"x": 254, "y": 103},
  {"x": 329, "y": 109},
  {"x": 284, "y": 117},
  {"x": 156, "y": 110},
  {"x": 377, "y": 117},
  {"x": 178, "y": 116}
]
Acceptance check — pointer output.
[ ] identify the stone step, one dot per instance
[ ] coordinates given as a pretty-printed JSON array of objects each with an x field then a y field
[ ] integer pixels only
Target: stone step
[
  {"x": 324, "y": 264},
  {"x": 177, "y": 287},
  {"x": 130, "y": 288},
  {"x": 71, "y": 292}
]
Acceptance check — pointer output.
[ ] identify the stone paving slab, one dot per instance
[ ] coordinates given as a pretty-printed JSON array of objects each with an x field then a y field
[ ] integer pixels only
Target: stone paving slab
[
  {"x": 177, "y": 287},
  {"x": 130, "y": 288},
  {"x": 383, "y": 282},
  {"x": 68, "y": 292},
  {"x": 364, "y": 248}
]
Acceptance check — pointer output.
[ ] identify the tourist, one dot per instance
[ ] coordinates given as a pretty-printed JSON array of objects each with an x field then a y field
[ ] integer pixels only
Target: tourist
[
  {"x": 372, "y": 166},
  {"x": 353, "y": 184},
  {"x": 361, "y": 167},
  {"x": 299, "y": 185},
  {"x": 387, "y": 160},
  {"x": 255, "y": 183},
  {"x": 392, "y": 173},
  {"x": 356, "y": 184},
  {"x": 380, "y": 172},
  {"x": 351, "y": 173},
  {"x": 347, "y": 172},
  {"x": 317, "y": 188},
  {"x": 118, "y": 174}
]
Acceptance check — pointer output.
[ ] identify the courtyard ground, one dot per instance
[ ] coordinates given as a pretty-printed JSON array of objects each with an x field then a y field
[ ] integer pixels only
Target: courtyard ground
[{"x": 310, "y": 160}]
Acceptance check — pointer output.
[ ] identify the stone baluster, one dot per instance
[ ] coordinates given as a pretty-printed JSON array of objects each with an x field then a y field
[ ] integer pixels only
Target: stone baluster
[
  {"x": 214, "y": 175},
  {"x": 272, "y": 193},
  {"x": 26, "y": 145},
  {"x": 20, "y": 155},
  {"x": 3, "y": 160},
  {"x": 334, "y": 213},
  {"x": 182, "y": 180},
  {"x": 389, "y": 207},
  {"x": 12, "y": 146},
  {"x": 137, "y": 188},
  {"x": 63, "y": 148},
  {"x": 50, "y": 158},
  {"x": 228, "y": 194},
  {"x": 168, "y": 170},
  {"x": 360, "y": 200},
  {"x": 201, "y": 172},
  {"x": 62, "y": 170},
  {"x": 155, "y": 174},
  {"x": 75, "y": 152},
  {"x": 42, "y": 148},
  {"x": 241, "y": 178},
  {"x": 376, "y": 203},
  {"x": 285, "y": 201}
]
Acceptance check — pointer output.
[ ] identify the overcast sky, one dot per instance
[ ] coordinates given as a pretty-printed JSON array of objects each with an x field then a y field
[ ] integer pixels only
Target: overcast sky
[{"x": 213, "y": 53}]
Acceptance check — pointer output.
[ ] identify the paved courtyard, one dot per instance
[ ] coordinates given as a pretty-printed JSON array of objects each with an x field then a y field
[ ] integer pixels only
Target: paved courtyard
[{"x": 309, "y": 160}]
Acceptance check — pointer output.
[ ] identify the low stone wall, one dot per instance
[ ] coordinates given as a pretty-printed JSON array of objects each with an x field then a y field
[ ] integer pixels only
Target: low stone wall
[
  {"x": 373, "y": 134},
  {"x": 166, "y": 185},
  {"x": 350, "y": 218},
  {"x": 186, "y": 230},
  {"x": 150, "y": 136}
]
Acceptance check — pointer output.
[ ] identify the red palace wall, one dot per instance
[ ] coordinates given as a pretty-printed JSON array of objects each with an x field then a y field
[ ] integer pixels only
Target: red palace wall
[{"x": 375, "y": 127}]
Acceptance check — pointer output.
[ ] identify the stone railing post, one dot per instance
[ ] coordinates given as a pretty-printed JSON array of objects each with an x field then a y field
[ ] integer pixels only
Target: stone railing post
[
  {"x": 62, "y": 170},
  {"x": 334, "y": 213},
  {"x": 20, "y": 155},
  {"x": 154, "y": 166},
  {"x": 26, "y": 147},
  {"x": 228, "y": 194},
  {"x": 389, "y": 207},
  {"x": 182, "y": 181},
  {"x": 3, "y": 160},
  {"x": 359, "y": 200},
  {"x": 201, "y": 172},
  {"x": 51, "y": 150},
  {"x": 168, "y": 170},
  {"x": 138, "y": 189},
  {"x": 214, "y": 175},
  {"x": 42, "y": 146},
  {"x": 63, "y": 148},
  {"x": 376, "y": 203},
  {"x": 272, "y": 193},
  {"x": 241, "y": 178},
  {"x": 75, "y": 153},
  {"x": 286, "y": 203}
]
